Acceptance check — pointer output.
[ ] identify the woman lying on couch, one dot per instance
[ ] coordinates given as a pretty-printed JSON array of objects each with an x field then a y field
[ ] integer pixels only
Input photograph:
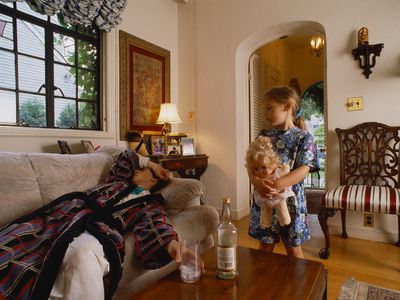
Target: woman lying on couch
[{"x": 73, "y": 247}]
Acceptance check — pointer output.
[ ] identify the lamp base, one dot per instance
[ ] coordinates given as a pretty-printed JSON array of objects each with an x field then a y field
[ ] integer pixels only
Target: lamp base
[{"x": 166, "y": 128}]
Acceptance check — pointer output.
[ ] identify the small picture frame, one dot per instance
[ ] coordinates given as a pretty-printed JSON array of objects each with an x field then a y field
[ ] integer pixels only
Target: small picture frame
[
  {"x": 187, "y": 146},
  {"x": 174, "y": 150},
  {"x": 88, "y": 146},
  {"x": 157, "y": 145},
  {"x": 64, "y": 147}
]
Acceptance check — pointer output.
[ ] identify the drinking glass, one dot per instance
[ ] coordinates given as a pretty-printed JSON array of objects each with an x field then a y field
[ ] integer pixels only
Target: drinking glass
[{"x": 190, "y": 268}]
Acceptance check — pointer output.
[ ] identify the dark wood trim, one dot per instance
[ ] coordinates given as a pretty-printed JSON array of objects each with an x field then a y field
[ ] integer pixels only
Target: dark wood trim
[{"x": 323, "y": 216}]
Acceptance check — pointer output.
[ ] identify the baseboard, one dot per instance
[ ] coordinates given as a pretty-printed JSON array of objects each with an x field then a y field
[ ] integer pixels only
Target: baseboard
[
  {"x": 238, "y": 214},
  {"x": 365, "y": 234}
]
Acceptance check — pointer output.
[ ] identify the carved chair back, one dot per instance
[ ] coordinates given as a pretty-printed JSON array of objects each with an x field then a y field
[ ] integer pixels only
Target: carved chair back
[{"x": 370, "y": 155}]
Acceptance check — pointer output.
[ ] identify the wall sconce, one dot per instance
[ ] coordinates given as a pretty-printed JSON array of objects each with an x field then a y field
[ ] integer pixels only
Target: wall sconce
[
  {"x": 366, "y": 54},
  {"x": 168, "y": 115},
  {"x": 317, "y": 44}
]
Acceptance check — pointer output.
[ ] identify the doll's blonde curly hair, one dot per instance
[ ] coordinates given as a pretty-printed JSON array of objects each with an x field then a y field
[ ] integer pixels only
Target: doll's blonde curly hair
[{"x": 261, "y": 150}]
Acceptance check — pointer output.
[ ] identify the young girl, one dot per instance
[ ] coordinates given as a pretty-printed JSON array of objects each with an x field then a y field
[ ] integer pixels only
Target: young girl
[{"x": 294, "y": 146}]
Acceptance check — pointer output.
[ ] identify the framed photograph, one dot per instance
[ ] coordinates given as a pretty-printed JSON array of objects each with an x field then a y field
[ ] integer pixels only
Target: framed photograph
[
  {"x": 64, "y": 147},
  {"x": 174, "y": 150},
  {"x": 88, "y": 146},
  {"x": 144, "y": 83},
  {"x": 175, "y": 138},
  {"x": 157, "y": 144},
  {"x": 188, "y": 146}
]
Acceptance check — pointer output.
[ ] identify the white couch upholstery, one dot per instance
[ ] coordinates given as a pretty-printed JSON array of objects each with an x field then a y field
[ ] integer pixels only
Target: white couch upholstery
[{"x": 31, "y": 180}]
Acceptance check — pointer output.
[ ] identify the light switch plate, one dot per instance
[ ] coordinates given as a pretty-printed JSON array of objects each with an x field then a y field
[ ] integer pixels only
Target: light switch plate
[
  {"x": 191, "y": 116},
  {"x": 355, "y": 103}
]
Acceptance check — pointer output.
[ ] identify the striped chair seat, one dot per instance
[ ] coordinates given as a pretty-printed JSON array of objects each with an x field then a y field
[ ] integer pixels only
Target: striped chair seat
[{"x": 377, "y": 199}]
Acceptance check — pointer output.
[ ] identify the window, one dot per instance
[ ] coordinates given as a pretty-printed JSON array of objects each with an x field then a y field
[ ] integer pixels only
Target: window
[{"x": 50, "y": 71}]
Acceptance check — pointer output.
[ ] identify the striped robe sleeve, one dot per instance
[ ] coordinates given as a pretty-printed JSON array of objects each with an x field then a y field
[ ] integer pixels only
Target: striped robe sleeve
[{"x": 152, "y": 231}]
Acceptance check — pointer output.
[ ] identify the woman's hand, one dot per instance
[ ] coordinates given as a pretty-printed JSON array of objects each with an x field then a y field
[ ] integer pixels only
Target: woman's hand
[
  {"x": 174, "y": 250},
  {"x": 263, "y": 186},
  {"x": 158, "y": 170}
]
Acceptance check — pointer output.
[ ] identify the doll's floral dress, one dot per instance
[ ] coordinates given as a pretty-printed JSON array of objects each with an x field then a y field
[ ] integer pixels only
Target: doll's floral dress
[{"x": 296, "y": 148}]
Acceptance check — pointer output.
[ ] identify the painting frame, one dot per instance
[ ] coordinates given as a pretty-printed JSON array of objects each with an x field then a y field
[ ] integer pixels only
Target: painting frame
[{"x": 140, "y": 59}]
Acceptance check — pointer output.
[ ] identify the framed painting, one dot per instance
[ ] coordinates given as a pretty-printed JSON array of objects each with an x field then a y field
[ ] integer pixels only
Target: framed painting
[{"x": 144, "y": 84}]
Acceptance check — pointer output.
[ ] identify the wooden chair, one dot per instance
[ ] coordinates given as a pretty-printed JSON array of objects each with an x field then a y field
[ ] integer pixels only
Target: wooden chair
[{"x": 369, "y": 175}]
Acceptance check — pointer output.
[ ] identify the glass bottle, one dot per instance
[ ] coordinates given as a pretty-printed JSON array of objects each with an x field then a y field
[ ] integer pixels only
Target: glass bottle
[{"x": 226, "y": 244}]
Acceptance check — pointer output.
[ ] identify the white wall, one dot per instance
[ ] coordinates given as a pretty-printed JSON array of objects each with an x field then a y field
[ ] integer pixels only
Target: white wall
[
  {"x": 155, "y": 21},
  {"x": 220, "y": 29}
]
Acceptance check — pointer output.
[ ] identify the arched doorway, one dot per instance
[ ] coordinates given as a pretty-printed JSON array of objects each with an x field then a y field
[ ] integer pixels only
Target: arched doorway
[{"x": 243, "y": 54}]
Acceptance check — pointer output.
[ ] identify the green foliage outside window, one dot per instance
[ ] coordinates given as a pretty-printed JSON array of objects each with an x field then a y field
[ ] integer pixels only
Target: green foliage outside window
[
  {"x": 67, "y": 117},
  {"x": 86, "y": 80},
  {"x": 33, "y": 113}
]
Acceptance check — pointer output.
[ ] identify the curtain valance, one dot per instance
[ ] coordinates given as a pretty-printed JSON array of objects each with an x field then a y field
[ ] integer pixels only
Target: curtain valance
[{"x": 105, "y": 14}]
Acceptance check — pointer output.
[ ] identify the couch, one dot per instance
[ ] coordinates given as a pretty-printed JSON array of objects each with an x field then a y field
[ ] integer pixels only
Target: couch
[{"x": 31, "y": 180}]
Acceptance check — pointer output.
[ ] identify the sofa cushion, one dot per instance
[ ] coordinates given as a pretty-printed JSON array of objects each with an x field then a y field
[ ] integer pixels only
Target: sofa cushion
[
  {"x": 58, "y": 174},
  {"x": 19, "y": 190},
  {"x": 179, "y": 194}
]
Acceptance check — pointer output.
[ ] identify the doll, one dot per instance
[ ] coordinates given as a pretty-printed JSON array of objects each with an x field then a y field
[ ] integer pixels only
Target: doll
[{"x": 262, "y": 161}]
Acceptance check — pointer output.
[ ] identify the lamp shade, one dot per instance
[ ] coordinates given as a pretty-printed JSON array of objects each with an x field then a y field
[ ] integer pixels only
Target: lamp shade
[{"x": 168, "y": 114}]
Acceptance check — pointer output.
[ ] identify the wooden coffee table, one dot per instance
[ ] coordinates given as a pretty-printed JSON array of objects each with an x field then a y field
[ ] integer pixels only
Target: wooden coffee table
[{"x": 261, "y": 276}]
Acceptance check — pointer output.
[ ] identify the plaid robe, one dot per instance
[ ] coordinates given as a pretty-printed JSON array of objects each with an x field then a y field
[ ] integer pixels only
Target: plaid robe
[{"x": 32, "y": 247}]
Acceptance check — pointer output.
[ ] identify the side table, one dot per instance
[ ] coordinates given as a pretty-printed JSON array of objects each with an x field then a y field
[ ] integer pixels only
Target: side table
[{"x": 187, "y": 166}]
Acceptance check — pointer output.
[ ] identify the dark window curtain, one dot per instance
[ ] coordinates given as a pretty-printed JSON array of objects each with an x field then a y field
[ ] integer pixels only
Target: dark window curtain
[{"x": 105, "y": 14}]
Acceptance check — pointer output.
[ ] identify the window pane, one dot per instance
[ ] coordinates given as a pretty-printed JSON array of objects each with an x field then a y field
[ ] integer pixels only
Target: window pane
[
  {"x": 6, "y": 32},
  {"x": 87, "y": 85},
  {"x": 87, "y": 55},
  {"x": 30, "y": 39},
  {"x": 7, "y": 70},
  {"x": 32, "y": 110},
  {"x": 59, "y": 20},
  {"x": 8, "y": 109},
  {"x": 31, "y": 73},
  {"x": 65, "y": 113},
  {"x": 87, "y": 115},
  {"x": 64, "y": 49},
  {"x": 64, "y": 78},
  {"x": 24, "y": 7}
]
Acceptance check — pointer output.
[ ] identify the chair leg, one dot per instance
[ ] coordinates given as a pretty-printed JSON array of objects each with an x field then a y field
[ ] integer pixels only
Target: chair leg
[
  {"x": 398, "y": 241},
  {"x": 323, "y": 215},
  {"x": 344, "y": 232}
]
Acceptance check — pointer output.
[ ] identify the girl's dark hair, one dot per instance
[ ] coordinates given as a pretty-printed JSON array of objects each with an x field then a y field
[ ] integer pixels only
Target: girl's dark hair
[{"x": 284, "y": 95}]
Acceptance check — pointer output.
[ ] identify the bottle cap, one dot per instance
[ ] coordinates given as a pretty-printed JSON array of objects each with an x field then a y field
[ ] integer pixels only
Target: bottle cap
[{"x": 226, "y": 200}]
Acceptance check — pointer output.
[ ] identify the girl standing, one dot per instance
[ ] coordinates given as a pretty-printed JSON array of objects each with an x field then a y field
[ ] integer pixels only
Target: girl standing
[{"x": 294, "y": 146}]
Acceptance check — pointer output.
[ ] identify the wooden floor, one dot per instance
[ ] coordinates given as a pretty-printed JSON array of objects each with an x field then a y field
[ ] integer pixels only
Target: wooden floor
[{"x": 373, "y": 262}]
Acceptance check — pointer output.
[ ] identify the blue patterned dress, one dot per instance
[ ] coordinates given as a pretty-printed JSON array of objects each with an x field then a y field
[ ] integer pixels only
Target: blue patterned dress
[{"x": 296, "y": 148}]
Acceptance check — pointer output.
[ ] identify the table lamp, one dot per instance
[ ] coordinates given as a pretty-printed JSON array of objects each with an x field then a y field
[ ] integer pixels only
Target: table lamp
[{"x": 168, "y": 115}]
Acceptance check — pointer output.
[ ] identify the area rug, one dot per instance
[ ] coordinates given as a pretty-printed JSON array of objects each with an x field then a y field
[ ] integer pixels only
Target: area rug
[{"x": 353, "y": 289}]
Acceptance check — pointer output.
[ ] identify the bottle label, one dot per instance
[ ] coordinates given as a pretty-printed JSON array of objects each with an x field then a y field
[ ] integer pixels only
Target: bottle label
[{"x": 226, "y": 259}]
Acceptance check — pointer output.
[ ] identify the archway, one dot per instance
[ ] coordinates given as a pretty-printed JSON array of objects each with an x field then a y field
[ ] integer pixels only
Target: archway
[{"x": 243, "y": 53}]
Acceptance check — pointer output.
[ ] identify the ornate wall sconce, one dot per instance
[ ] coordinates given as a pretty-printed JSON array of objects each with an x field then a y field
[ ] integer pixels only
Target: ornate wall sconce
[
  {"x": 366, "y": 54},
  {"x": 317, "y": 44}
]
